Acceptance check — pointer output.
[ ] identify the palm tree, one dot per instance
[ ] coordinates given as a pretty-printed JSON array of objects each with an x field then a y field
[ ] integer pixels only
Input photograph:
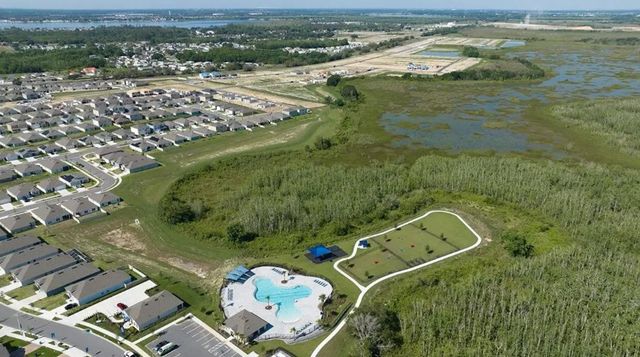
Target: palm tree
[{"x": 322, "y": 298}]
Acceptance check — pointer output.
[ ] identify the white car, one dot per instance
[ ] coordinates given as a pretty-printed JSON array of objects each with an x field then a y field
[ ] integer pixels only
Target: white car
[{"x": 129, "y": 354}]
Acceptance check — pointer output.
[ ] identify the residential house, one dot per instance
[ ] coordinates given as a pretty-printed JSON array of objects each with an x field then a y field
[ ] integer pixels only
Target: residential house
[
  {"x": 97, "y": 286},
  {"x": 26, "y": 256},
  {"x": 153, "y": 309},
  {"x": 50, "y": 184},
  {"x": 18, "y": 223},
  {"x": 23, "y": 191},
  {"x": 74, "y": 180},
  {"x": 104, "y": 199},
  {"x": 79, "y": 207},
  {"x": 27, "y": 169},
  {"x": 50, "y": 214},
  {"x": 56, "y": 282},
  {"x": 11, "y": 245},
  {"x": 53, "y": 166},
  {"x": 29, "y": 273}
]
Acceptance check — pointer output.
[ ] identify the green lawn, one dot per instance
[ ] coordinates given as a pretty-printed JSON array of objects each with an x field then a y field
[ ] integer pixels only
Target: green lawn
[
  {"x": 44, "y": 352},
  {"x": 5, "y": 280},
  {"x": 22, "y": 292},
  {"x": 51, "y": 302},
  {"x": 12, "y": 344},
  {"x": 436, "y": 235}
]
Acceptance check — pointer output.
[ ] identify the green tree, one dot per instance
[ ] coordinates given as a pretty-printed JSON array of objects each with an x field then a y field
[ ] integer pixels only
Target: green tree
[
  {"x": 517, "y": 245},
  {"x": 333, "y": 80},
  {"x": 350, "y": 92},
  {"x": 470, "y": 51}
]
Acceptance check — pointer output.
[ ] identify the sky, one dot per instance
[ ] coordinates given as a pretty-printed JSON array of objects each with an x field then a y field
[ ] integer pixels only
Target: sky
[{"x": 420, "y": 4}]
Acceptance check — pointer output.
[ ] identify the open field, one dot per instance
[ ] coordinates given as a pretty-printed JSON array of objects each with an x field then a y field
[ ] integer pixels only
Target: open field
[{"x": 434, "y": 236}]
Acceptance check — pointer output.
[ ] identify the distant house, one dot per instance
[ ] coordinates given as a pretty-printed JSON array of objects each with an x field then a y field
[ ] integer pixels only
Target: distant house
[
  {"x": 23, "y": 191},
  {"x": 53, "y": 166},
  {"x": 174, "y": 138},
  {"x": 49, "y": 185},
  {"x": 104, "y": 199},
  {"x": 68, "y": 144},
  {"x": 245, "y": 326},
  {"x": 141, "y": 130},
  {"x": 74, "y": 180},
  {"x": 26, "y": 256},
  {"x": 49, "y": 149},
  {"x": 18, "y": 223},
  {"x": 29, "y": 273},
  {"x": 27, "y": 169},
  {"x": 155, "y": 308},
  {"x": 97, "y": 286},
  {"x": 295, "y": 111},
  {"x": 48, "y": 215},
  {"x": 79, "y": 207},
  {"x": 141, "y": 146},
  {"x": 56, "y": 282},
  {"x": 7, "y": 175},
  {"x": 11, "y": 245}
]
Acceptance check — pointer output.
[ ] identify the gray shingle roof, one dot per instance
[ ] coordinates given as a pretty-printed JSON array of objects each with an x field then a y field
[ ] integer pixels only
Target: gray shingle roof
[
  {"x": 26, "y": 256},
  {"x": 245, "y": 323},
  {"x": 15, "y": 244},
  {"x": 98, "y": 283},
  {"x": 58, "y": 280},
  {"x": 153, "y": 306},
  {"x": 28, "y": 273}
]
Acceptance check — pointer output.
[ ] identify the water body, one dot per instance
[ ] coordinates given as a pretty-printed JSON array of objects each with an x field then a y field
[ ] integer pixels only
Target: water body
[
  {"x": 494, "y": 120},
  {"x": 513, "y": 44},
  {"x": 440, "y": 54},
  {"x": 283, "y": 297},
  {"x": 93, "y": 24}
]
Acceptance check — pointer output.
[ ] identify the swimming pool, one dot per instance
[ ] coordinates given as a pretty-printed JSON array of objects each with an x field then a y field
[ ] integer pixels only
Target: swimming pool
[{"x": 283, "y": 297}]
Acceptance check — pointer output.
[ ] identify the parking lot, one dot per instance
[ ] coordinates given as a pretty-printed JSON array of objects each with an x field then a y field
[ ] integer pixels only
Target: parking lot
[{"x": 193, "y": 339}]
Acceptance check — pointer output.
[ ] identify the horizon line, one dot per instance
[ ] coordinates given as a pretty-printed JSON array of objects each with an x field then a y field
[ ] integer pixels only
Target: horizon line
[{"x": 320, "y": 8}]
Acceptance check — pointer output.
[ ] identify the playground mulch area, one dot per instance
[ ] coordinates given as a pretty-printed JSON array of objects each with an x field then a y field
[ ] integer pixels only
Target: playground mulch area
[{"x": 436, "y": 235}]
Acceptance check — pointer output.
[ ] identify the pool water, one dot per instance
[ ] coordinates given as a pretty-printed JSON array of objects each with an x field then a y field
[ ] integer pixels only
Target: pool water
[{"x": 283, "y": 297}]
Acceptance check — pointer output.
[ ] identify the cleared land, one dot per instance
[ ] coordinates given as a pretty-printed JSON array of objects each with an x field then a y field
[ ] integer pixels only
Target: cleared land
[{"x": 436, "y": 235}]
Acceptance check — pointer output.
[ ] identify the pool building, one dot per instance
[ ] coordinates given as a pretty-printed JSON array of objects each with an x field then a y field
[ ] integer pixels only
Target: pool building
[{"x": 271, "y": 303}]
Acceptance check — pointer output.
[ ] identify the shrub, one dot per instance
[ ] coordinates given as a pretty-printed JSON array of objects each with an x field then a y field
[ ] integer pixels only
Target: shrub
[
  {"x": 333, "y": 80},
  {"x": 517, "y": 245},
  {"x": 350, "y": 92}
]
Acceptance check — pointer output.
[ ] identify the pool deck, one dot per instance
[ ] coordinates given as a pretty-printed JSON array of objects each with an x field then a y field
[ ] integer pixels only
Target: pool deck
[{"x": 241, "y": 296}]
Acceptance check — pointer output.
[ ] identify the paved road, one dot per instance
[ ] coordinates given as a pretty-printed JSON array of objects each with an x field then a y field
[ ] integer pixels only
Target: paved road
[
  {"x": 105, "y": 183},
  {"x": 95, "y": 345}
]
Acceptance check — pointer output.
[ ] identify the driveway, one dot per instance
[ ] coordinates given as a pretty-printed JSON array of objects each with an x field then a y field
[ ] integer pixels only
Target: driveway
[{"x": 108, "y": 306}]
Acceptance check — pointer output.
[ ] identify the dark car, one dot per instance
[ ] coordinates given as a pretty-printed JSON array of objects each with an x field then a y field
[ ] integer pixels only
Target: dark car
[
  {"x": 121, "y": 306},
  {"x": 160, "y": 344},
  {"x": 70, "y": 306}
]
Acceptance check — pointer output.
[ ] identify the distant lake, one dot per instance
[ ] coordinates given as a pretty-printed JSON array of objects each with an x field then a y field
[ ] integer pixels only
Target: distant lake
[
  {"x": 91, "y": 24},
  {"x": 513, "y": 43},
  {"x": 441, "y": 54}
]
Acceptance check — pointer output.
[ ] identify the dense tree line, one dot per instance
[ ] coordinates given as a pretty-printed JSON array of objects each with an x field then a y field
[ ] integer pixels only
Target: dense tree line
[
  {"x": 305, "y": 43},
  {"x": 570, "y": 302},
  {"x": 98, "y": 35},
  {"x": 299, "y": 197},
  {"x": 476, "y": 74},
  {"x": 56, "y": 60},
  {"x": 277, "y": 56}
]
